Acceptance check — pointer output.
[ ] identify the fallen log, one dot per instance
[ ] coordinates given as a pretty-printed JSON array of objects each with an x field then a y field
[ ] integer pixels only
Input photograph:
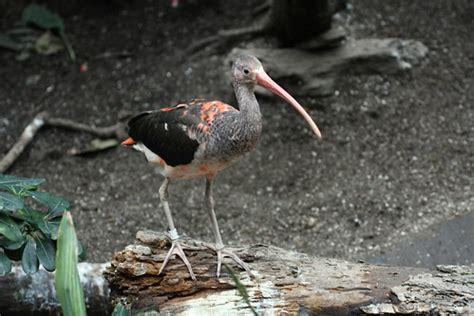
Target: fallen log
[
  {"x": 313, "y": 73},
  {"x": 286, "y": 283},
  {"x": 34, "y": 294}
]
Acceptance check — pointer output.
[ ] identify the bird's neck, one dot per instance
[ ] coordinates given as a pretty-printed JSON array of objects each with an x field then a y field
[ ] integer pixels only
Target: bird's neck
[{"x": 248, "y": 105}]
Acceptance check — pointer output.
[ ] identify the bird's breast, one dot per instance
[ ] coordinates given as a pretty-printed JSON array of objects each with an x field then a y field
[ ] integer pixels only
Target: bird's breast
[{"x": 232, "y": 141}]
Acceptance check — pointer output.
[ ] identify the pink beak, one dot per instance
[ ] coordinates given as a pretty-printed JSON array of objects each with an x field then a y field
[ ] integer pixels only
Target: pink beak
[{"x": 265, "y": 81}]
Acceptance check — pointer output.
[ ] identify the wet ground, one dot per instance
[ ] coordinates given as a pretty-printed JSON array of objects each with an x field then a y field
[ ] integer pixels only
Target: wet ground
[{"x": 391, "y": 179}]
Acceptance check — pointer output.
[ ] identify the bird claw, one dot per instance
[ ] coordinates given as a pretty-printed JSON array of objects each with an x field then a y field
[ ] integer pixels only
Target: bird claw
[
  {"x": 177, "y": 249},
  {"x": 222, "y": 253}
]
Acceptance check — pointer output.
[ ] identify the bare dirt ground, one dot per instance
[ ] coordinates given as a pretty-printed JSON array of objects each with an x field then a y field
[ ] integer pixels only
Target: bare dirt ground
[{"x": 396, "y": 157}]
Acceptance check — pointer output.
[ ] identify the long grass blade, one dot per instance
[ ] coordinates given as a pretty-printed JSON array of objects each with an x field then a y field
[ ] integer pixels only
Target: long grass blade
[{"x": 68, "y": 285}]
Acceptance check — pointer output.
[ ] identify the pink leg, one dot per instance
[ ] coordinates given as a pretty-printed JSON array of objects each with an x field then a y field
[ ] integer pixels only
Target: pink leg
[
  {"x": 219, "y": 248},
  {"x": 176, "y": 247}
]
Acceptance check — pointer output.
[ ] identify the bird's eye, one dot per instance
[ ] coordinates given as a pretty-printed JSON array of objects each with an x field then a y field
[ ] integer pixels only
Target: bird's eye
[{"x": 246, "y": 71}]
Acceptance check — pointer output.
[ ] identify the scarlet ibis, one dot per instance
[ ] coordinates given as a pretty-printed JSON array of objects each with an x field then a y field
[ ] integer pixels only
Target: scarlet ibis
[{"x": 201, "y": 138}]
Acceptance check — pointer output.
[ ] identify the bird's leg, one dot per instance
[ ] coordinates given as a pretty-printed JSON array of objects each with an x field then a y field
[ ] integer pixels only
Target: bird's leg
[
  {"x": 219, "y": 247},
  {"x": 176, "y": 248}
]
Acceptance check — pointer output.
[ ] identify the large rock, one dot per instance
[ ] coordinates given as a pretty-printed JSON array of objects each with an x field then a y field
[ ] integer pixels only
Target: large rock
[{"x": 314, "y": 73}]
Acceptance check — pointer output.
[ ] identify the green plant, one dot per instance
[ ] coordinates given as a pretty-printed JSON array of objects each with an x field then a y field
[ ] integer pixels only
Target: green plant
[
  {"x": 41, "y": 17},
  {"x": 25, "y": 36},
  {"x": 29, "y": 222},
  {"x": 67, "y": 282}
]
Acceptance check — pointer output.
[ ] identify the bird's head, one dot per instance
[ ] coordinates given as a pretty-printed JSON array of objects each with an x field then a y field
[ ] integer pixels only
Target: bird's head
[
  {"x": 248, "y": 70},
  {"x": 245, "y": 69}
]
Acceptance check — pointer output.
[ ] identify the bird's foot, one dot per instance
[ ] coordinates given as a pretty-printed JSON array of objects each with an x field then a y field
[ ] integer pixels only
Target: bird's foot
[
  {"x": 177, "y": 249},
  {"x": 223, "y": 252}
]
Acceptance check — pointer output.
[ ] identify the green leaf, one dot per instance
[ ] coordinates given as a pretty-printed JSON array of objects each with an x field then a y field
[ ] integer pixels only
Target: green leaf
[
  {"x": 12, "y": 245},
  {"x": 45, "y": 19},
  {"x": 29, "y": 260},
  {"x": 120, "y": 310},
  {"x": 68, "y": 285},
  {"x": 5, "y": 264},
  {"x": 56, "y": 205},
  {"x": 82, "y": 254},
  {"x": 46, "y": 252},
  {"x": 42, "y": 18},
  {"x": 6, "y": 182},
  {"x": 48, "y": 44},
  {"x": 53, "y": 226},
  {"x": 34, "y": 217},
  {"x": 14, "y": 254},
  {"x": 67, "y": 43},
  {"x": 10, "y": 229},
  {"x": 44, "y": 227},
  {"x": 10, "y": 202}
]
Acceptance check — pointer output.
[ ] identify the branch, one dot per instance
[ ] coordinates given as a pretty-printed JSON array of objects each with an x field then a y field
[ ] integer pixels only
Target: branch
[
  {"x": 113, "y": 131},
  {"x": 116, "y": 131},
  {"x": 288, "y": 283},
  {"x": 26, "y": 137}
]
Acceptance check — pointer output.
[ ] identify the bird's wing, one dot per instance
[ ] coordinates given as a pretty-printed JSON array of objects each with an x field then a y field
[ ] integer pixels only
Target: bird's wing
[{"x": 175, "y": 133}]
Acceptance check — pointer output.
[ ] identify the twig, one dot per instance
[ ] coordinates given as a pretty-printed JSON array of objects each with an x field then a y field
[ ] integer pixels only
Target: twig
[
  {"x": 105, "y": 55},
  {"x": 26, "y": 137},
  {"x": 116, "y": 131}
]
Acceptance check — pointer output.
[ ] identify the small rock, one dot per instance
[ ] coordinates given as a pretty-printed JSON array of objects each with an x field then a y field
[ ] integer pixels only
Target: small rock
[
  {"x": 311, "y": 222},
  {"x": 32, "y": 80}
]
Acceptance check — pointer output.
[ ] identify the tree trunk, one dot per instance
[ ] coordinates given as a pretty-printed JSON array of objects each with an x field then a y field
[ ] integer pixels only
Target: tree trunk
[
  {"x": 293, "y": 21},
  {"x": 287, "y": 283}
]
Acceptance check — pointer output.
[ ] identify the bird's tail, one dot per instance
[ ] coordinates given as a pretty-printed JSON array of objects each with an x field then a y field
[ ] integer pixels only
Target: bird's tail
[{"x": 129, "y": 142}]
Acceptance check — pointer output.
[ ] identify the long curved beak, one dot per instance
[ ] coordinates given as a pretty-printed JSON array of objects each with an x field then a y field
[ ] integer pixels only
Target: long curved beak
[{"x": 265, "y": 81}]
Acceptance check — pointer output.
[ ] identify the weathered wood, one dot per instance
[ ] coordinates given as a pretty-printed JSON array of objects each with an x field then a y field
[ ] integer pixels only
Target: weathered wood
[
  {"x": 34, "y": 294},
  {"x": 288, "y": 283},
  {"x": 448, "y": 291},
  {"x": 307, "y": 73}
]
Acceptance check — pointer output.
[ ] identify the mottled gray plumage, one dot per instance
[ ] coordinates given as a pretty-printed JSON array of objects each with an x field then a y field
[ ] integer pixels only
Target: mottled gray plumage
[{"x": 236, "y": 133}]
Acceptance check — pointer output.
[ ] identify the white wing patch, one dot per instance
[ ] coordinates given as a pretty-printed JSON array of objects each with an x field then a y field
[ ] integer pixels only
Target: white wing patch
[
  {"x": 150, "y": 156},
  {"x": 166, "y": 127}
]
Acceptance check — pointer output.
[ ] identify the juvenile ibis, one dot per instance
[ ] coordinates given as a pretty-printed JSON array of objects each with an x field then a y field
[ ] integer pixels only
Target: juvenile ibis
[{"x": 201, "y": 138}]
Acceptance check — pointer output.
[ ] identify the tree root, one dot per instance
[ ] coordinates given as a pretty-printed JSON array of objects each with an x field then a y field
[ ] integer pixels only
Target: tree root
[
  {"x": 116, "y": 131},
  {"x": 225, "y": 38}
]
